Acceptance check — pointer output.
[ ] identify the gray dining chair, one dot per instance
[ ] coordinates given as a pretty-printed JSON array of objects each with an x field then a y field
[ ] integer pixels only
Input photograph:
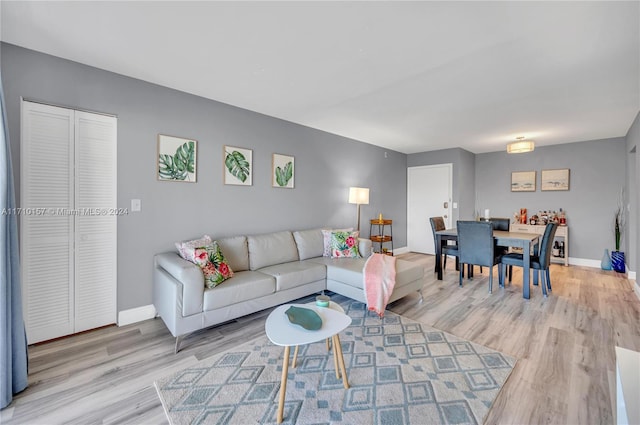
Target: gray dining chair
[
  {"x": 500, "y": 223},
  {"x": 539, "y": 262},
  {"x": 437, "y": 223},
  {"x": 477, "y": 247}
]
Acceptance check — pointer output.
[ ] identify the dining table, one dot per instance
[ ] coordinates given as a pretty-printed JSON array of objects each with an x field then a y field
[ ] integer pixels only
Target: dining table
[{"x": 502, "y": 238}]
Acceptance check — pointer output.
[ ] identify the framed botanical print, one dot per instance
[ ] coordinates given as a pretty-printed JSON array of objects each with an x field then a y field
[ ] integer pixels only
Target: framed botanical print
[
  {"x": 177, "y": 159},
  {"x": 238, "y": 165},
  {"x": 555, "y": 179},
  {"x": 282, "y": 171},
  {"x": 523, "y": 181}
]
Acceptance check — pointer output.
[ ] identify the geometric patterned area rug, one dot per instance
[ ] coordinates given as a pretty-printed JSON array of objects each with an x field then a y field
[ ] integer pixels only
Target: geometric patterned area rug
[{"x": 400, "y": 372}]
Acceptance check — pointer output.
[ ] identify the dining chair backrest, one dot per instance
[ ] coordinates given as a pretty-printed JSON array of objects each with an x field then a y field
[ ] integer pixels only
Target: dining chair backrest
[
  {"x": 437, "y": 223},
  {"x": 475, "y": 242},
  {"x": 498, "y": 223},
  {"x": 545, "y": 245}
]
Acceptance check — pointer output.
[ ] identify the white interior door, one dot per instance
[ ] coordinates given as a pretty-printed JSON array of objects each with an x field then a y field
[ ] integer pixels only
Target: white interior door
[{"x": 429, "y": 191}]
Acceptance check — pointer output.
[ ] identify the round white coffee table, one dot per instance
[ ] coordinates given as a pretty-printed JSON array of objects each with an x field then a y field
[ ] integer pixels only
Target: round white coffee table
[{"x": 286, "y": 334}]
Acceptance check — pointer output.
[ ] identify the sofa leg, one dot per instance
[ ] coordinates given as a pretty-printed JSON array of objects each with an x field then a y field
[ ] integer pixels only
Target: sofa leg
[
  {"x": 178, "y": 341},
  {"x": 421, "y": 297}
]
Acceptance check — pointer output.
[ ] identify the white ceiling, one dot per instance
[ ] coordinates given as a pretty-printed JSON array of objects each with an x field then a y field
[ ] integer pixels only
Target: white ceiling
[{"x": 408, "y": 76}]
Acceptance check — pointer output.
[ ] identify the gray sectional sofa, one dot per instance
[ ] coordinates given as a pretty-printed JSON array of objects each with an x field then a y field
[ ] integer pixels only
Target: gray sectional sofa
[{"x": 269, "y": 270}]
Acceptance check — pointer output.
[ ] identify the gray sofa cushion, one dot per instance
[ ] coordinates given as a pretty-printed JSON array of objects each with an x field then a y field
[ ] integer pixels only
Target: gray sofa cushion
[
  {"x": 310, "y": 243},
  {"x": 243, "y": 286},
  {"x": 290, "y": 275},
  {"x": 236, "y": 252},
  {"x": 270, "y": 249}
]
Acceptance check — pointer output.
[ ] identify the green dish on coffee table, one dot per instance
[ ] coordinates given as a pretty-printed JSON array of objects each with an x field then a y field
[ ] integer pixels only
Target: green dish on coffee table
[{"x": 304, "y": 317}]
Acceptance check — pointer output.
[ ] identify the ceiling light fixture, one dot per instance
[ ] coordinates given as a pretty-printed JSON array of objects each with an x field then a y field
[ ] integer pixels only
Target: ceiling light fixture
[{"x": 520, "y": 145}]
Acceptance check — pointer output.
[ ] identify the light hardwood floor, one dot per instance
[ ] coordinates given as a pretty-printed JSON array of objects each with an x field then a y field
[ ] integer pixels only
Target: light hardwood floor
[{"x": 564, "y": 345}]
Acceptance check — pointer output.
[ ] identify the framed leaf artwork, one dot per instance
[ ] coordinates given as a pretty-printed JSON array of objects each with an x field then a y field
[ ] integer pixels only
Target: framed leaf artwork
[
  {"x": 177, "y": 159},
  {"x": 238, "y": 166},
  {"x": 282, "y": 171}
]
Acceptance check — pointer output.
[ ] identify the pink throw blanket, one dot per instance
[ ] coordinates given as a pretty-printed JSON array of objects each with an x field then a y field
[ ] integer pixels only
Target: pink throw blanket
[{"x": 379, "y": 280}]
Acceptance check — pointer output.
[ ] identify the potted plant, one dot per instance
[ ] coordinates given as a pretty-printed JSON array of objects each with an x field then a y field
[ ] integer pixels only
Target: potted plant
[{"x": 617, "y": 256}]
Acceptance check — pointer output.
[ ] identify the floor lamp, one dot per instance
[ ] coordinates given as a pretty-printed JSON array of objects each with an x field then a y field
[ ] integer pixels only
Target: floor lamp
[{"x": 359, "y": 196}]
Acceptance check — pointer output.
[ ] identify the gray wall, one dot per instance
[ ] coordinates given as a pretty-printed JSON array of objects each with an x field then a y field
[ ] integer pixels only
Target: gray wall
[
  {"x": 463, "y": 176},
  {"x": 326, "y": 164},
  {"x": 633, "y": 182},
  {"x": 597, "y": 173}
]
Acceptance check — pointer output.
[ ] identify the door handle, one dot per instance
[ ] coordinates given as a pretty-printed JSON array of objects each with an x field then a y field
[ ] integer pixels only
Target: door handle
[{"x": 446, "y": 205}]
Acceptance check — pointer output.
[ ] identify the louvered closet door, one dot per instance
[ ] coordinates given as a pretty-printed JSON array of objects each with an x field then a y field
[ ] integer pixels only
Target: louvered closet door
[
  {"x": 46, "y": 248},
  {"x": 69, "y": 226},
  {"x": 96, "y": 225}
]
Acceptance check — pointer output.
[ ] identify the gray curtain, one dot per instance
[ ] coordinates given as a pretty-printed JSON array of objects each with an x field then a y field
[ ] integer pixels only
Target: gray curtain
[{"x": 13, "y": 340}]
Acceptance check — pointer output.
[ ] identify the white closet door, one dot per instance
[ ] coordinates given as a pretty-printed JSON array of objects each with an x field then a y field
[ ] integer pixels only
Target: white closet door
[
  {"x": 46, "y": 249},
  {"x": 96, "y": 222},
  {"x": 68, "y": 220}
]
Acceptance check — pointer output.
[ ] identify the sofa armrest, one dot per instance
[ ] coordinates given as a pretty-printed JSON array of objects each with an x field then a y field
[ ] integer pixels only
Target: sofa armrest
[
  {"x": 365, "y": 247},
  {"x": 189, "y": 276}
]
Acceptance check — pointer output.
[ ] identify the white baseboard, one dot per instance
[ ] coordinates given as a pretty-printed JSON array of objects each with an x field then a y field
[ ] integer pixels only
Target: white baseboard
[
  {"x": 138, "y": 314},
  {"x": 631, "y": 275},
  {"x": 636, "y": 289},
  {"x": 584, "y": 262},
  {"x": 402, "y": 250}
]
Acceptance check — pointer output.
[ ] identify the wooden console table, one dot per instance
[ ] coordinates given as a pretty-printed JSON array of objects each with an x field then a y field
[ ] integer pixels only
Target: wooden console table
[{"x": 561, "y": 232}]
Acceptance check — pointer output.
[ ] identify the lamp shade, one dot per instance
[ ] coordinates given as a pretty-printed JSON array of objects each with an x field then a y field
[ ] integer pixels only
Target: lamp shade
[
  {"x": 521, "y": 146},
  {"x": 359, "y": 195}
]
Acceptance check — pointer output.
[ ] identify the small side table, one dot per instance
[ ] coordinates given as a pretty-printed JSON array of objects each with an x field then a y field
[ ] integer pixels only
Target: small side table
[
  {"x": 380, "y": 238},
  {"x": 282, "y": 332}
]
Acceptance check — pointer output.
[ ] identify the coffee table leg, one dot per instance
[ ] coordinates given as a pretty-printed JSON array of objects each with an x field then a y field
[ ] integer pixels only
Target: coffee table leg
[
  {"x": 283, "y": 383},
  {"x": 295, "y": 357},
  {"x": 335, "y": 358},
  {"x": 337, "y": 349}
]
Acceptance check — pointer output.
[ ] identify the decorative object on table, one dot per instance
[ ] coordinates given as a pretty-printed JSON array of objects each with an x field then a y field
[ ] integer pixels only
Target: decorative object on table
[
  {"x": 563, "y": 217},
  {"x": 617, "y": 256},
  {"x": 554, "y": 179},
  {"x": 521, "y": 145},
  {"x": 523, "y": 181},
  {"x": 304, "y": 317},
  {"x": 523, "y": 216},
  {"x": 605, "y": 264},
  {"x": 415, "y": 378},
  {"x": 323, "y": 300},
  {"x": 176, "y": 159},
  {"x": 380, "y": 217},
  {"x": 487, "y": 214},
  {"x": 238, "y": 166},
  {"x": 359, "y": 196},
  {"x": 282, "y": 171}
]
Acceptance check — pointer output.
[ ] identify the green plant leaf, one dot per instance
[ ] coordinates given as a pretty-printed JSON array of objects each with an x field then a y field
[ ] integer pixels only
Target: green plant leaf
[
  {"x": 237, "y": 165},
  {"x": 283, "y": 175},
  {"x": 185, "y": 157},
  {"x": 168, "y": 169}
]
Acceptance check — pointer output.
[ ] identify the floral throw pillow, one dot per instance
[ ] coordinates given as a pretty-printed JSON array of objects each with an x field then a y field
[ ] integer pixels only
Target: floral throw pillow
[
  {"x": 326, "y": 239},
  {"x": 212, "y": 263},
  {"x": 344, "y": 244}
]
